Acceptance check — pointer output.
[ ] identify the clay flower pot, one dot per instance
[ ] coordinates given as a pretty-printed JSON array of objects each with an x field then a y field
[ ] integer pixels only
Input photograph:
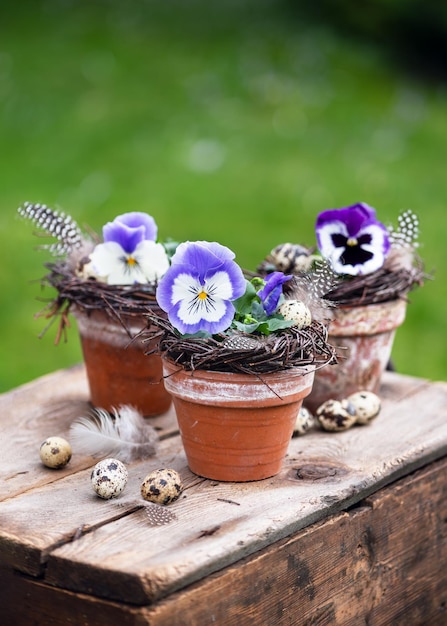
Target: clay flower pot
[
  {"x": 118, "y": 370},
  {"x": 234, "y": 427},
  {"x": 363, "y": 337}
]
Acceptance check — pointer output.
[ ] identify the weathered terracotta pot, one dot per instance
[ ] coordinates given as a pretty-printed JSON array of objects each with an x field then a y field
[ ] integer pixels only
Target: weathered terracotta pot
[
  {"x": 363, "y": 336},
  {"x": 234, "y": 427},
  {"x": 118, "y": 370}
]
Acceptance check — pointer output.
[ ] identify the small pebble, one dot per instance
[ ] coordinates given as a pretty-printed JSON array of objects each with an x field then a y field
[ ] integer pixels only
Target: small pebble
[
  {"x": 367, "y": 406},
  {"x": 55, "y": 452},
  {"x": 109, "y": 477},
  {"x": 336, "y": 415},
  {"x": 162, "y": 486},
  {"x": 297, "y": 312},
  {"x": 304, "y": 422}
]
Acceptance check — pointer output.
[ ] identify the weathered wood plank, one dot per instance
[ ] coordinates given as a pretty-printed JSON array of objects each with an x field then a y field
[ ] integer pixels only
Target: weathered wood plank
[
  {"x": 51, "y": 523},
  {"x": 44, "y": 408},
  {"x": 382, "y": 562},
  {"x": 218, "y": 523},
  {"x": 25, "y": 601},
  {"x": 35, "y": 522}
]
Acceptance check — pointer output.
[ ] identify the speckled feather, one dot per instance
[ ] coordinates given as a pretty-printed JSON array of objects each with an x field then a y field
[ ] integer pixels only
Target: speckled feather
[
  {"x": 58, "y": 225},
  {"x": 407, "y": 232},
  {"x": 156, "y": 514}
]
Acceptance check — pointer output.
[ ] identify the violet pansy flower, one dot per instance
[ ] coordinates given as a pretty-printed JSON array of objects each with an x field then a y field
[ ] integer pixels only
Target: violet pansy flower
[
  {"x": 197, "y": 290},
  {"x": 129, "y": 253},
  {"x": 271, "y": 293},
  {"x": 352, "y": 239}
]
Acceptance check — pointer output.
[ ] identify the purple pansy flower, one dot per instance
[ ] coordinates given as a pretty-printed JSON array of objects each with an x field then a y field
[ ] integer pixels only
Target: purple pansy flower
[
  {"x": 352, "y": 239},
  {"x": 129, "y": 253},
  {"x": 272, "y": 291},
  {"x": 197, "y": 290}
]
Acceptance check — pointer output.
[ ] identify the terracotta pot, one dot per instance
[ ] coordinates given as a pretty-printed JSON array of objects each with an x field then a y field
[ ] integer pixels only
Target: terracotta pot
[
  {"x": 234, "y": 427},
  {"x": 363, "y": 336},
  {"x": 118, "y": 370}
]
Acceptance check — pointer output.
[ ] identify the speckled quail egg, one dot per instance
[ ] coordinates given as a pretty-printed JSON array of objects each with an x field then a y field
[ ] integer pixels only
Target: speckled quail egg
[
  {"x": 162, "y": 486},
  {"x": 336, "y": 415},
  {"x": 55, "y": 452},
  {"x": 297, "y": 312},
  {"x": 304, "y": 422},
  {"x": 285, "y": 255},
  {"x": 109, "y": 477},
  {"x": 366, "y": 404}
]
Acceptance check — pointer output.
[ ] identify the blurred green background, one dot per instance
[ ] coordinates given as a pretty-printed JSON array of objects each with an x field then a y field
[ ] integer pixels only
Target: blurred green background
[{"x": 229, "y": 121}]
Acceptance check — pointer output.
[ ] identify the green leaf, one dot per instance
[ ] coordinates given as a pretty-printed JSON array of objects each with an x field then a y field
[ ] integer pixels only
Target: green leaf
[
  {"x": 245, "y": 328},
  {"x": 278, "y": 323},
  {"x": 244, "y": 303}
]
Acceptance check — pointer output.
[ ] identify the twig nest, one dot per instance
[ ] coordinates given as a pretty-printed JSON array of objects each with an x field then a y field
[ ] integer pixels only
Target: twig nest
[
  {"x": 109, "y": 477},
  {"x": 162, "y": 486},
  {"x": 55, "y": 452},
  {"x": 297, "y": 312},
  {"x": 336, "y": 415},
  {"x": 304, "y": 422},
  {"x": 366, "y": 404}
]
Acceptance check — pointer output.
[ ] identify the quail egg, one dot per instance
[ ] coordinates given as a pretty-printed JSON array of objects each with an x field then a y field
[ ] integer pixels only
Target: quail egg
[
  {"x": 162, "y": 486},
  {"x": 285, "y": 256},
  {"x": 109, "y": 477},
  {"x": 366, "y": 404},
  {"x": 55, "y": 452},
  {"x": 297, "y": 312},
  {"x": 336, "y": 415},
  {"x": 304, "y": 422}
]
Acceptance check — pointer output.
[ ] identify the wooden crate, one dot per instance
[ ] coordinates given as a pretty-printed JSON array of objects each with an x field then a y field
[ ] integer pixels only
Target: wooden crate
[{"x": 352, "y": 531}]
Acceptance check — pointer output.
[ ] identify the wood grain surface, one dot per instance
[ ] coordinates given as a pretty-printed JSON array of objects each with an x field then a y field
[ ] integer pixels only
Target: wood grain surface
[{"x": 55, "y": 534}]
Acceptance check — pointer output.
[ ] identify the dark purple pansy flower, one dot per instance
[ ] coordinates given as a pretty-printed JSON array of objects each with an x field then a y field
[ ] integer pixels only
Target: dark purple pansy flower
[
  {"x": 272, "y": 291},
  {"x": 352, "y": 239}
]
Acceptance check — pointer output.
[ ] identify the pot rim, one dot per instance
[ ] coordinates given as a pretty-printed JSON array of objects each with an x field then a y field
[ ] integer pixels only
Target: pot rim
[
  {"x": 201, "y": 385},
  {"x": 368, "y": 319}
]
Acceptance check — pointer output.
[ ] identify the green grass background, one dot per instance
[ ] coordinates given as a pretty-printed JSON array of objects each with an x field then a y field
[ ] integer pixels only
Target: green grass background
[{"x": 228, "y": 121}]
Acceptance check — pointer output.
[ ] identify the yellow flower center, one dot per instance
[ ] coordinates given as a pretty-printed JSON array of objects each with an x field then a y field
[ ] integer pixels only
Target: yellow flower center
[
  {"x": 131, "y": 260},
  {"x": 352, "y": 241},
  {"x": 202, "y": 295}
]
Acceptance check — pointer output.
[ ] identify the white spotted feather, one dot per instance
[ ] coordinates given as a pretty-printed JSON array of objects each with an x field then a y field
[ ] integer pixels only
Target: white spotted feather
[{"x": 60, "y": 226}]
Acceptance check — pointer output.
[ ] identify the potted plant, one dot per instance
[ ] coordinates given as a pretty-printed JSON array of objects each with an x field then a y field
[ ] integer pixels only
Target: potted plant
[
  {"x": 373, "y": 269},
  {"x": 108, "y": 285},
  {"x": 236, "y": 367}
]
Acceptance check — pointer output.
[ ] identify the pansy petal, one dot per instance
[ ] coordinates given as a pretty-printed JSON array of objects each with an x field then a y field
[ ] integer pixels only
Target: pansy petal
[
  {"x": 199, "y": 253},
  {"x": 130, "y": 229},
  {"x": 216, "y": 323},
  {"x": 152, "y": 259},
  {"x": 236, "y": 278},
  {"x": 327, "y": 234},
  {"x": 272, "y": 291},
  {"x": 179, "y": 276},
  {"x": 106, "y": 257},
  {"x": 138, "y": 219},
  {"x": 128, "y": 238},
  {"x": 353, "y": 217}
]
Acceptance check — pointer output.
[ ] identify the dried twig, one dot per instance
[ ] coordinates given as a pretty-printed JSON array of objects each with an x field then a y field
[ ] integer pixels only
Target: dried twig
[{"x": 289, "y": 348}]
